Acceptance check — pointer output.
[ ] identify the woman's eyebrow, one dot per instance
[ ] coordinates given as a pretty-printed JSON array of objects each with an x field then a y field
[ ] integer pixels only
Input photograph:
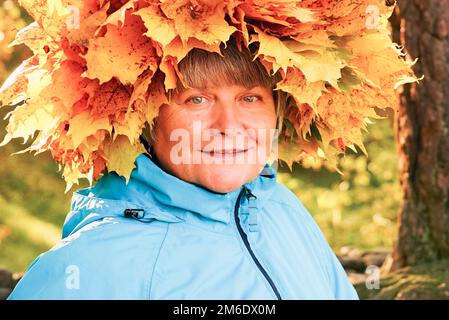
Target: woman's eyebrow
[
  {"x": 215, "y": 91},
  {"x": 187, "y": 92}
]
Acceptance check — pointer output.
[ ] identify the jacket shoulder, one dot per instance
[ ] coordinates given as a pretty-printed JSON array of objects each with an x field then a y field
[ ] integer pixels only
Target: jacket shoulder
[
  {"x": 287, "y": 197},
  {"x": 111, "y": 258},
  {"x": 305, "y": 224}
]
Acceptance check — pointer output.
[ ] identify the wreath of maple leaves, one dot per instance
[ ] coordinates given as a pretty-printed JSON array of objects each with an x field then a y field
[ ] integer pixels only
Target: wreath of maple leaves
[{"x": 100, "y": 70}]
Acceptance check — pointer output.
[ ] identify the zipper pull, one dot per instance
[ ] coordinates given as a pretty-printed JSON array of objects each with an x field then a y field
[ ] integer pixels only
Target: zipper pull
[
  {"x": 249, "y": 194},
  {"x": 252, "y": 211}
]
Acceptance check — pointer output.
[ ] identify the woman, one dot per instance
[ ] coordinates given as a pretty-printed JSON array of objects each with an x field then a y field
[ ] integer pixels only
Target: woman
[{"x": 199, "y": 219}]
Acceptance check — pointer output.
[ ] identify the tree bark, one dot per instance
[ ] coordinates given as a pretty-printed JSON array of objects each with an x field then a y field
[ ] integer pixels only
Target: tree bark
[{"x": 422, "y": 134}]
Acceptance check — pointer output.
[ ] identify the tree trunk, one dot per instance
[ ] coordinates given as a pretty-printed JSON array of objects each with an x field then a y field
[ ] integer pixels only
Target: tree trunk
[{"x": 422, "y": 134}]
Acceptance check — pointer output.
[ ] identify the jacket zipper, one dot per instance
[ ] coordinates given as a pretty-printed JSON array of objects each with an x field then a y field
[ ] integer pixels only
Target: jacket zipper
[{"x": 245, "y": 191}]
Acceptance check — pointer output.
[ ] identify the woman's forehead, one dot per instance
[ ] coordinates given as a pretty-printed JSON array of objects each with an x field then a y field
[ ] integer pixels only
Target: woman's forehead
[{"x": 227, "y": 88}]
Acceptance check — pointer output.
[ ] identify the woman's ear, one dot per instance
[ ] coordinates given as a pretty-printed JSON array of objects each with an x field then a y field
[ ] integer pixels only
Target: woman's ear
[
  {"x": 148, "y": 136},
  {"x": 280, "y": 103}
]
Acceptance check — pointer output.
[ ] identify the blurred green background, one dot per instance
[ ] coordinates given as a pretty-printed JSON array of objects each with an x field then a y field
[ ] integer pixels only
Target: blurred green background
[{"x": 357, "y": 209}]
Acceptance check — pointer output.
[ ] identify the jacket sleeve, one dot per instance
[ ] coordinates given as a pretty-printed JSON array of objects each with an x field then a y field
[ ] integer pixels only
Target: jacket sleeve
[
  {"x": 107, "y": 259},
  {"x": 341, "y": 286},
  {"x": 50, "y": 276}
]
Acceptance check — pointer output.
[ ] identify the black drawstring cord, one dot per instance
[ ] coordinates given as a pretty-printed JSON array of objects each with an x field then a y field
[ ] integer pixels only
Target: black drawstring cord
[
  {"x": 137, "y": 214},
  {"x": 134, "y": 213}
]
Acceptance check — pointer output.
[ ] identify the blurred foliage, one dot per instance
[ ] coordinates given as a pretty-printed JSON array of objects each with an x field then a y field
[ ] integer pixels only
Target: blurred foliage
[
  {"x": 357, "y": 209},
  {"x": 12, "y": 19},
  {"x": 32, "y": 204}
]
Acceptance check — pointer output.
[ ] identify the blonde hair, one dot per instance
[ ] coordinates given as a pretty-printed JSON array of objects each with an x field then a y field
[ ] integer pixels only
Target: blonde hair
[{"x": 201, "y": 68}]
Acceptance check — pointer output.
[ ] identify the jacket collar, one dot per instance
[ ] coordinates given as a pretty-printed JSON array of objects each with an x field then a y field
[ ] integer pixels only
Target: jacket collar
[{"x": 164, "y": 195}]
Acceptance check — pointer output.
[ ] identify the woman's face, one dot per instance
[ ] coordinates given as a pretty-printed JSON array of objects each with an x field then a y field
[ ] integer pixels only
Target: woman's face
[{"x": 218, "y": 138}]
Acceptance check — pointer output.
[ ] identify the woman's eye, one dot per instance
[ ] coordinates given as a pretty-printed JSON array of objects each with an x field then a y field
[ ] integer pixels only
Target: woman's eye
[
  {"x": 251, "y": 99},
  {"x": 195, "y": 100},
  {"x": 199, "y": 99}
]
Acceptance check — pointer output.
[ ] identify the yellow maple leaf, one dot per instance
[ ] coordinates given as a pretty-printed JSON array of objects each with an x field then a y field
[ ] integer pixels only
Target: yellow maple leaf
[
  {"x": 121, "y": 155},
  {"x": 202, "y": 20},
  {"x": 159, "y": 27},
  {"x": 82, "y": 126},
  {"x": 35, "y": 115},
  {"x": 126, "y": 49}
]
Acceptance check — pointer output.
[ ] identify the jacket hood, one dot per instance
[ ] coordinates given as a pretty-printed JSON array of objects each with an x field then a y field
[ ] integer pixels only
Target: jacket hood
[{"x": 154, "y": 194}]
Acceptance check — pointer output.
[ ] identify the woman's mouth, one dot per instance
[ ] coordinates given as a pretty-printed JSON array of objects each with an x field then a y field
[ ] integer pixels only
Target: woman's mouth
[{"x": 225, "y": 153}]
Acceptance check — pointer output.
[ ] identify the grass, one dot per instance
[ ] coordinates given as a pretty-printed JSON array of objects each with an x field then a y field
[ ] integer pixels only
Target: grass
[{"x": 421, "y": 282}]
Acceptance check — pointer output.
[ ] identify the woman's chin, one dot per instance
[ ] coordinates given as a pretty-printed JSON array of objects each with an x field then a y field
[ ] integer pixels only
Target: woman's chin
[
  {"x": 226, "y": 178},
  {"x": 222, "y": 188}
]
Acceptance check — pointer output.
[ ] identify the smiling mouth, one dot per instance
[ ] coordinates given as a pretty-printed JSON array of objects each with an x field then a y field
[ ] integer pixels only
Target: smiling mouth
[{"x": 231, "y": 152}]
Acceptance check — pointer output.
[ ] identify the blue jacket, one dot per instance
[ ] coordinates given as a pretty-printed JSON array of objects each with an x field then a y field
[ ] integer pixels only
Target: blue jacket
[{"x": 159, "y": 237}]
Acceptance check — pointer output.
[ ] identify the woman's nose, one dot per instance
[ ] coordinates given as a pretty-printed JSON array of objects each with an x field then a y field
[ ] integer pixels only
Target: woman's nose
[{"x": 227, "y": 118}]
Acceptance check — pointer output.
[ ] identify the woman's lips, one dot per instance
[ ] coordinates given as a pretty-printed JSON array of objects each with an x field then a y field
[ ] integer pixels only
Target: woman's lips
[
  {"x": 225, "y": 153},
  {"x": 221, "y": 153}
]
